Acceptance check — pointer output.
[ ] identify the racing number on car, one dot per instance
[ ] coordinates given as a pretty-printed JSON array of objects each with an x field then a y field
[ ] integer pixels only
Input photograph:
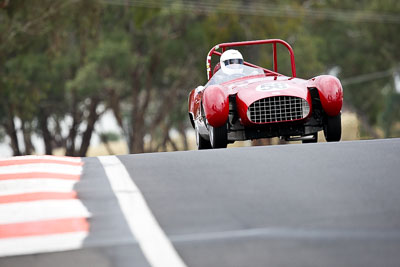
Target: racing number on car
[{"x": 272, "y": 86}]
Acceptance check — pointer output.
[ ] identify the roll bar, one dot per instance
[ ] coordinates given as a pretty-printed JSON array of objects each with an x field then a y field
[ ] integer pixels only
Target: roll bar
[{"x": 224, "y": 46}]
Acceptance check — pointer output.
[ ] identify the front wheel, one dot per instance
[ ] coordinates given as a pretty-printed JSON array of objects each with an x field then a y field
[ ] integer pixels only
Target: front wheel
[
  {"x": 333, "y": 128},
  {"x": 201, "y": 142},
  {"x": 219, "y": 136}
]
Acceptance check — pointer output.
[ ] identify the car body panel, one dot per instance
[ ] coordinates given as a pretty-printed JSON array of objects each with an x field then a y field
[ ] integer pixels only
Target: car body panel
[
  {"x": 216, "y": 105},
  {"x": 330, "y": 92}
]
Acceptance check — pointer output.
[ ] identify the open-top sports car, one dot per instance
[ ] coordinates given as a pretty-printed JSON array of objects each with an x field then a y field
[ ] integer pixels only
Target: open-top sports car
[{"x": 242, "y": 101}]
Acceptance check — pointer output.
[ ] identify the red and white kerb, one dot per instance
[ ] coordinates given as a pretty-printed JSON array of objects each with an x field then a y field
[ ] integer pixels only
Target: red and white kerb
[{"x": 39, "y": 209}]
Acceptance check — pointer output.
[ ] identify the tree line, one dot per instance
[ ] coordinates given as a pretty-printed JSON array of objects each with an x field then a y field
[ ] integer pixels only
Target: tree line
[{"x": 63, "y": 64}]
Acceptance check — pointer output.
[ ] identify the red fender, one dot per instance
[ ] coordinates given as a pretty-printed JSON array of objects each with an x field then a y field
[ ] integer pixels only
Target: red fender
[
  {"x": 216, "y": 105},
  {"x": 330, "y": 93}
]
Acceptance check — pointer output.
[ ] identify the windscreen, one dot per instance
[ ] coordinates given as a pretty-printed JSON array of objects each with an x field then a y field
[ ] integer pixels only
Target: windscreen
[{"x": 233, "y": 71}]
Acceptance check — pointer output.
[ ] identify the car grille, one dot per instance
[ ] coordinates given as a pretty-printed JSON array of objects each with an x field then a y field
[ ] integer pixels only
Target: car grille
[{"x": 278, "y": 108}]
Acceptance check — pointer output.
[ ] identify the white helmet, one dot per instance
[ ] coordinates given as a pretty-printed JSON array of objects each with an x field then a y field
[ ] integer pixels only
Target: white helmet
[{"x": 231, "y": 62}]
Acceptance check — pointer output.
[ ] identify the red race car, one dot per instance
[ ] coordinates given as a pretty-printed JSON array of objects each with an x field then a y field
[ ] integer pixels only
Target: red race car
[{"x": 242, "y": 101}]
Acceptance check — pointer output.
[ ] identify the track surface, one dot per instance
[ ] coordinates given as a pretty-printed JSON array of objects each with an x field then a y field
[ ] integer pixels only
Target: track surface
[{"x": 325, "y": 204}]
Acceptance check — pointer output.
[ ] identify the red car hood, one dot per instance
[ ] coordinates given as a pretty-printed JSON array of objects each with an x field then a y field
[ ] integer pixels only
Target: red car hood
[{"x": 250, "y": 89}]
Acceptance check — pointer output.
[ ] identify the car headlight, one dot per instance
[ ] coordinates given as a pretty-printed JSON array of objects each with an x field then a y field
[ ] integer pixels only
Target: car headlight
[{"x": 305, "y": 108}]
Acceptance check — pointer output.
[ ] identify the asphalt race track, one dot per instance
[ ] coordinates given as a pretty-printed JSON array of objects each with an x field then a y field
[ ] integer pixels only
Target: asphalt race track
[{"x": 324, "y": 204}]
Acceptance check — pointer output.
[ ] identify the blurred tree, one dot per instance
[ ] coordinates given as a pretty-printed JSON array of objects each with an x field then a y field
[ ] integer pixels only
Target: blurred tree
[
  {"x": 106, "y": 138},
  {"x": 366, "y": 45},
  {"x": 42, "y": 45},
  {"x": 152, "y": 73}
]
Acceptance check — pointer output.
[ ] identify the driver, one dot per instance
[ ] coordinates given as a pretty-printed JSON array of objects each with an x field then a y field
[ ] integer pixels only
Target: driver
[{"x": 231, "y": 62}]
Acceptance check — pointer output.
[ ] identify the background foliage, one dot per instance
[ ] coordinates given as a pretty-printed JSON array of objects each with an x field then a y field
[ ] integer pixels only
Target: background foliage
[{"x": 63, "y": 64}]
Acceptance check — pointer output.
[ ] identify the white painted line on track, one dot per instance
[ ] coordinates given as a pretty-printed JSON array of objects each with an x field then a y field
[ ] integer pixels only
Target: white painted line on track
[
  {"x": 23, "y": 186},
  {"x": 42, "y": 167},
  {"x": 155, "y": 245},
  {"x": 289, "y": 233},
  {"x": 41, "y": 210},
  {"x": 41, "y": 244}
]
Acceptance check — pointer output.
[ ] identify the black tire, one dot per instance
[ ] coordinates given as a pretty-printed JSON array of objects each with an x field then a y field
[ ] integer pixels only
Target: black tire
[
  {"x": 218, "y": 136},
  {"x": 333, "y": 128},
  {"x": 201, "y": 142},
  {"x": 313, "y": 140}
]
